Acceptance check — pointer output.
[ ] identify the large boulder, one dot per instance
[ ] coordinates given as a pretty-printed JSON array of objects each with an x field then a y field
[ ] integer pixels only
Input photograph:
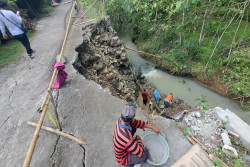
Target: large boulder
[{"x": 235, "y": 124}]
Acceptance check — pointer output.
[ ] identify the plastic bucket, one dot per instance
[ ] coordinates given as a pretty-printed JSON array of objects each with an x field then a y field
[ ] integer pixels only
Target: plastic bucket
[{"x": 157, "y": 147}]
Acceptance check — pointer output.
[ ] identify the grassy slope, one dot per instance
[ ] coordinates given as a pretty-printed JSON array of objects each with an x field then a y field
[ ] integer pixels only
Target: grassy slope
[
  {"x": 96, "y": 11},
  {"x": 238, "y": 78}
]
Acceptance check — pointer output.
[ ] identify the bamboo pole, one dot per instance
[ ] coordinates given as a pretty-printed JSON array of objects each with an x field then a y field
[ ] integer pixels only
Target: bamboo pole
[
  {"x": 45, "y": 102},
  {"x": 85, "y": 22},
  {"x": 56, "y": 113},
  {"x": 142, "y": 52},
  {"x": 85, "y": 12},
  {"x": 59, "y": 133}
]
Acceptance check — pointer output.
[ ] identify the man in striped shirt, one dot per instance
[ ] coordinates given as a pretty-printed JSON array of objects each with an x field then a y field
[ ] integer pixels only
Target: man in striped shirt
[{"x": 130, "y": 150}]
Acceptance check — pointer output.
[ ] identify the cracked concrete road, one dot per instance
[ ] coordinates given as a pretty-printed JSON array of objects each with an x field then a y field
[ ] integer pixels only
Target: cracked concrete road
[
  {"x": 85, "y": 109},
  {"x": 21, "y": 84}
]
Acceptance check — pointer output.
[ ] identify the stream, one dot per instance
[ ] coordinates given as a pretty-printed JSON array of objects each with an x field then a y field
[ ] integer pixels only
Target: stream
[{"x": 183, "y": 88}]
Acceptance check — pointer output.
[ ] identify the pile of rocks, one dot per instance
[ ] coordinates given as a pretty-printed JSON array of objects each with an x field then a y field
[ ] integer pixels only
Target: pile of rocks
[
  {"x": 208, "y": 128},
  {"x": 205, "y": 126},
  {"x": 102, "y": 58}
]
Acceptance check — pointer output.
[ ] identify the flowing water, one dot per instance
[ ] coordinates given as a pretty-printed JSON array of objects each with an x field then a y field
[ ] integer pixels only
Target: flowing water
[{"x": 181, "y": 87}]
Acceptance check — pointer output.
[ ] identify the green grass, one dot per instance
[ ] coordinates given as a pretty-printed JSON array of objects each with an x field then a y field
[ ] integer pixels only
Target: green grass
[
  {"x": 96, "y": 11},
  {"x": 45, "y": 11},
  {"x": 12, "y": 51}
]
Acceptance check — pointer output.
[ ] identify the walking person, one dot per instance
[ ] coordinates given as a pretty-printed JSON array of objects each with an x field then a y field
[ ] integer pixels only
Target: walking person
[
  {"x": 144, "y": 97},
  {"x": 13, "y": 22}
]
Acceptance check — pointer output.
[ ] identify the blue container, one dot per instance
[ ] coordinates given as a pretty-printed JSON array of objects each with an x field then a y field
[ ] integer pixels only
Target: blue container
[{"x": 157, "y": 147}]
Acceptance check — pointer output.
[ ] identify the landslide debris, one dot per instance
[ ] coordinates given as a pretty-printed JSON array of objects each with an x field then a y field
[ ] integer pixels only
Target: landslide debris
[{"x": 102, "y": 58}]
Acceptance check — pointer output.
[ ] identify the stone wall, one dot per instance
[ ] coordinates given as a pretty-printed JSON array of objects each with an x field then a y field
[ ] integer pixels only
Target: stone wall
[{"x": 102, "y": 58}]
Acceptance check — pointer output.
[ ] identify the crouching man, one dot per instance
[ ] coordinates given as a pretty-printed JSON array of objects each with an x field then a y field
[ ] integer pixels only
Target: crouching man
[{"x": 130, "y": 150}]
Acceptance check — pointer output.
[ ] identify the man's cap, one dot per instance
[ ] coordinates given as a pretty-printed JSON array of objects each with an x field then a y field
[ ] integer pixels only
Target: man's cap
[{"x": 128, "y": 110}]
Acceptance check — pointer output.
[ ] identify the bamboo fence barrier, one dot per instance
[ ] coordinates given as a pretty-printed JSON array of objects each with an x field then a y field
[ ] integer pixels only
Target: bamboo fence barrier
[
  {"x": 84, "y": 13},
  {"x": 59, "y": 133},
  {"x": 46, "y": 100},
  {"x": 85, "y": 22}
]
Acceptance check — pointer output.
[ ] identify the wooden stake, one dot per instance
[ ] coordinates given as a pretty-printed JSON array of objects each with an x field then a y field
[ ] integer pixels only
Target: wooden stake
[
  {"x": 59, "y": 133},
  {"x": 85, "y": 22},
  {"x": 143, "y": 52},
  {"x": 202, "y": 146},
  {"x": 85, "y": 12},
  {"x": 233, "y": 134},
  {"x": 191, "y": 140},
  {"x": 56, "y": 113},
  {"x": 46, "y": 100}
]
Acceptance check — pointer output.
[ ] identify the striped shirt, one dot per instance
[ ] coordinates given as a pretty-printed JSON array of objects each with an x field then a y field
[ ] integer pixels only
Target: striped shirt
[{"x": 125, "y": 144}]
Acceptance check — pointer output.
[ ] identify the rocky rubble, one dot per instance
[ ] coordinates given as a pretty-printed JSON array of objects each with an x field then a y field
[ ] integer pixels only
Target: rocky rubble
[
  {"x": 205, "y": 126},
  {"x": 208, "y": 128},
  {"x": 102, "y": 58}
]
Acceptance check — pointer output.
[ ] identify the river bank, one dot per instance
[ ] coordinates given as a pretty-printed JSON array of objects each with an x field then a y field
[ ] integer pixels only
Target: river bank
[{"x": 215, "y": 84}]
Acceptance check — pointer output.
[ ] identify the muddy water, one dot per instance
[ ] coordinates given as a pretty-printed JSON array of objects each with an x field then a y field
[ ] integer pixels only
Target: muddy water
[{"x": 183, "y": 88}]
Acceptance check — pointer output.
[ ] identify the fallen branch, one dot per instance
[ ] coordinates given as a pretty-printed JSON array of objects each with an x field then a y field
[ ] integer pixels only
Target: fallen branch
[
  {"x": 85, "y": 22},
  {"x": 233, "y": 134},
  {"x": 241, "y": 97},
  {"x": 59, "y": 133}
]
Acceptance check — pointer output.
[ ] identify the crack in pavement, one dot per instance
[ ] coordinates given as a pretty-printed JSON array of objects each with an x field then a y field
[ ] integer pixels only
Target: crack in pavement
[
  {"x": 12, "y": 91},
  {"x": 57, "y": 141},
  {"x": 4, "y": 121},
  {"x": 83, "y": 158}
]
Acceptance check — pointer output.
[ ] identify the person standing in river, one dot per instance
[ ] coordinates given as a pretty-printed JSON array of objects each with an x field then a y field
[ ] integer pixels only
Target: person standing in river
[
  {"x": 157, "y": 96},
  {"x": 13, "y": 22},
  {"x": 144, "y": 97},
  {"x": 169, "y": 100}
]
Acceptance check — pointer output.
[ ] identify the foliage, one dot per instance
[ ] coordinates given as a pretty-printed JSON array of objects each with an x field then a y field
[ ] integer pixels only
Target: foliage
[
  {"x": 186, "y": 131},
  {"x": 202, "y": 101},
  {"x": 35, "y": 7},
  {"x": 237, "y": 162},
  {"x": 217, "y": 162},
  {"x": 225, "y": 122},
  {"x": 97, "y": 11},
  {"x": 173, "y": 28}
]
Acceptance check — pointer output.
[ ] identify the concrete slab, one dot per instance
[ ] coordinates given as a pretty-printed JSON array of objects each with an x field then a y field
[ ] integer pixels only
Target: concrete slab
[{"x": 235, "y": 124}]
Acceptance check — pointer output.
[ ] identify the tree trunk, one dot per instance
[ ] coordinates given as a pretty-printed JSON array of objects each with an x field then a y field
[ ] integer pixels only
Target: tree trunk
[
  {"x": 203, "y": 26},
  {"x": 183, "y": 20},
  {"x": 233, "y": 41},
  {"x": 207, "y": 24},
  {"x": 219, "y": 41}
]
